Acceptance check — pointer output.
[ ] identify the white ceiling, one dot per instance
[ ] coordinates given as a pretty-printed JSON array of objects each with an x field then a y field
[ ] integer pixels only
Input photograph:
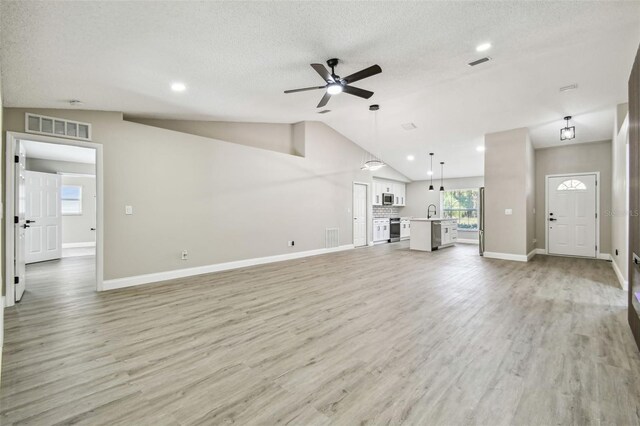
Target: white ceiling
[
  {"x": 56, "y": 152},
  {"x": 237, "y": 58}
]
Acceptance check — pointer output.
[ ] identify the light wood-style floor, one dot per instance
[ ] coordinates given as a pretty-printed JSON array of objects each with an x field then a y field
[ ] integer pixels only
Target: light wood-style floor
[{"x": 379, "y": 335}]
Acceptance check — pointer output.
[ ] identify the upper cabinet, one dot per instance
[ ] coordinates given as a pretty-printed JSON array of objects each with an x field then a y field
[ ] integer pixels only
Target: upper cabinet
[{"x": 398, "y": 189}]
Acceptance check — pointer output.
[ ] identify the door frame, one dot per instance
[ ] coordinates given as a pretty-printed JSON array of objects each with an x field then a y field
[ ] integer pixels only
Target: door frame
[
  {"x": 11, "y": 138},
  {"x": 546, "y": 209},
  {"x": 369, "y": 210}
]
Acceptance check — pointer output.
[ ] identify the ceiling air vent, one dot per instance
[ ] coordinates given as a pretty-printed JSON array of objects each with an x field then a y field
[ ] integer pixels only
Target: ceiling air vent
[
  {"x": 479, "y": 61},
  {"x": 324, "y": 111},
  {"x": 408, "y": 126},
  {"x": 569, "y": 87},
  {"x": 43, "y": 125}
]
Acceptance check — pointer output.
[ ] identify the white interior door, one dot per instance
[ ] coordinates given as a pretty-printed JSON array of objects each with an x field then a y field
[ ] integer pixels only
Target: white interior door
[
  {"x": 19, "y": 222},
  {"x": 571, "y": 220},
  {"x": 359, "y": 215},
  {"x": 43, "y": 217}
]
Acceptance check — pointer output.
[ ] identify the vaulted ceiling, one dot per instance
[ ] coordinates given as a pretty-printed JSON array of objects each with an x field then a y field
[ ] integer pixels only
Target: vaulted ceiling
[{"x": 237, "y": 58}]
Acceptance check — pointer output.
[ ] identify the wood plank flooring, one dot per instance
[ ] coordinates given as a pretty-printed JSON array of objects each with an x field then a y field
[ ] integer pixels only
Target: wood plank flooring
[{"x": 379, "y": 335}]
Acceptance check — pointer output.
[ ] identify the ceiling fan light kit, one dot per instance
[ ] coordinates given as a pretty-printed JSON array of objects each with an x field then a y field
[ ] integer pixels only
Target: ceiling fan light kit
[{"x": 336, "y": 84}]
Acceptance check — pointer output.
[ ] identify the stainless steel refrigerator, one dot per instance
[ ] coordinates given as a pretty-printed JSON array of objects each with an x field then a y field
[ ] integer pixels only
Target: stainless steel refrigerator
[{"x": 481, "y": 222}]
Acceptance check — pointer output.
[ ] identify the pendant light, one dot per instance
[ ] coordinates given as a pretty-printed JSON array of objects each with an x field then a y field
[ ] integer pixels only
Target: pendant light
[
  {"x": 372, "y": 162},
  {"x": 567, "y": 133},
  {"x": 431, "y": 170},
  {"x": 442, "y": 176}
]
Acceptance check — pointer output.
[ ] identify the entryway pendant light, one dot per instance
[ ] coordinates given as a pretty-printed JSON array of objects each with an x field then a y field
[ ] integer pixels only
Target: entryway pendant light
[
  {"x": 442, "y": 176},
  {"x": 567, "y": 133},
  {"x": 372, "y": 162},
  {"x": 431, "y": 170}
]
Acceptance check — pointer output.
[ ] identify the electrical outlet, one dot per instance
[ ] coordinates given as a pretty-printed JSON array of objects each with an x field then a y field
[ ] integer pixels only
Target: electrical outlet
[
  {"x": 508, "y": 212},
  {"x": 291, "y": 243},
  {"x": 128, "y": 209},
  {"x": 185, "y": 255}
]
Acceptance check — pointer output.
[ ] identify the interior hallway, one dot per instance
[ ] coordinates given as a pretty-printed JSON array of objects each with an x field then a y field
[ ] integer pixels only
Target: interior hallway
[{"x": 379, "y": 334}]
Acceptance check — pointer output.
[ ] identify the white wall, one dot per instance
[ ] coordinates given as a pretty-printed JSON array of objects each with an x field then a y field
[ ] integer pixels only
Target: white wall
[
  {"x": 507, "y": 177},
  {"x": 220, "y": 201},
  {"x": 419, "y": 197},
  {"x": 77, "y": 228},
  {"x": 579, "y": 158},
  {"x": 619, "y": 195},
  {"x": 54, "y": 166}
]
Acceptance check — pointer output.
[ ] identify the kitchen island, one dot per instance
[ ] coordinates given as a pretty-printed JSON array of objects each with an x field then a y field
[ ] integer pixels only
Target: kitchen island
[{"x": 428, "y": 234}]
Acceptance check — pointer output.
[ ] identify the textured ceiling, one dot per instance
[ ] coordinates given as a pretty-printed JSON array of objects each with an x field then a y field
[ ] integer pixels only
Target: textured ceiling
[{"x": 236, "y": 59}]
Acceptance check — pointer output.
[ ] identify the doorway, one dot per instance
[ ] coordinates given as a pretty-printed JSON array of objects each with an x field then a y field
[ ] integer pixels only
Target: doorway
[
  {"x": 360, "y": 214},
  {"x": 54, "y": 216},
  {"x": 572, "y": 214}
]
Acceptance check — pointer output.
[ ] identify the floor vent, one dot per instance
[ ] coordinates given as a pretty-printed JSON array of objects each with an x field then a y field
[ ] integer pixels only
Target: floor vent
[{"x": 332, "y": 237}]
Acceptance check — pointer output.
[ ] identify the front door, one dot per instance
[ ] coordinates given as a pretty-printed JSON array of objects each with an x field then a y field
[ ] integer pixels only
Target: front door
[
  {"x": 43, "y": 214},
  {"x": 359, "y": 215},
  {"x": 20, "y": 224},
  {"x": 571, "y": 219}
]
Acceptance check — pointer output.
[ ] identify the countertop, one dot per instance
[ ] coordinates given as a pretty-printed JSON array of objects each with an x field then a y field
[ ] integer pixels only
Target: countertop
[{"x": 433, "y": 219}]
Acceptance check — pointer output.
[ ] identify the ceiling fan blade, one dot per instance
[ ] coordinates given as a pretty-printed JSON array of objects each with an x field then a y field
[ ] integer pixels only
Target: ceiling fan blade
[
  {"x": 357, "y": 92},
  {"x": 367, "y": 72},
  {"x": 324, "y": 73},
  {"x": 305, "y": 89},
  {"x": 324, "y": 100}
]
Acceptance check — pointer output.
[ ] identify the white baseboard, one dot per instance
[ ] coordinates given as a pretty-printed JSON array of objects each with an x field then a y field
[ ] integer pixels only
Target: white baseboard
[
  {"x": 541, "y": 251},
  {"x": 505, "y": 256},
  {"x": 2, "y": 301},
  {"x": 465, "y": 241},
  {"x": 604, "y": 256},
  {"x": 531, "y": 254},
  {"x": 77, "y": 245},
  {"x": 623, "y": 283},
  {"x": 199, "y": 270}
]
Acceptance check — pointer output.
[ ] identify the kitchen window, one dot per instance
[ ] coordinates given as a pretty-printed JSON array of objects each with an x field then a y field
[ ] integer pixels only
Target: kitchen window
[
  {"x": 71, "y": 199},
  {"x": 461, "y": 204}
]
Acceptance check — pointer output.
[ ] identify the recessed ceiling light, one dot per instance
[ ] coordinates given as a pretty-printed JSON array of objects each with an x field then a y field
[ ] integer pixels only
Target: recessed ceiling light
[
  {"x": 483, "y": 47},
  {"x": 429, "y": 172},
  {"x": 480, "y": 148},
  {"x": 178, "y": 87},
  {"x": 410, "y": 157},
  {"x": 408, "y": 126}
]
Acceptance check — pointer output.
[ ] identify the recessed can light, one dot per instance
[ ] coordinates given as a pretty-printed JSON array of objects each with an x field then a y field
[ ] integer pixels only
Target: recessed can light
[
  {"x": 411, "y": 157},
  {"x": 480, "y": 148},
  {"x": 178, "y": 87},
  {"x": 483, "y": 47},
  {"x": 429, "y": 172}
]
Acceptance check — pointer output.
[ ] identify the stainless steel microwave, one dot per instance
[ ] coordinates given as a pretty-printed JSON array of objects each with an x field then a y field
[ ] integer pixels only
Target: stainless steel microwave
[{"x": 387, "y": 199}]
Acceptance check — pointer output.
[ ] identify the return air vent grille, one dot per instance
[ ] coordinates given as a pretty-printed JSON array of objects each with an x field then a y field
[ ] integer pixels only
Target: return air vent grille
[
  {"x": 332, "y": 237},
  {"x": 51, "y": 126},
  {"x": 479, "y": 61}
]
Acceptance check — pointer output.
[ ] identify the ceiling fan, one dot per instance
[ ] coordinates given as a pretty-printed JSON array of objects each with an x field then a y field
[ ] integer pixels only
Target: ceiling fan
[{"x": 336, "y": 84}]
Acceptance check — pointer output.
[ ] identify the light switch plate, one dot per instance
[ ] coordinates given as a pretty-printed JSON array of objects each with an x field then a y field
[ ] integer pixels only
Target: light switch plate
[
  {"x": 128, "y": 209},
  {"x": 508, "y": 212}
]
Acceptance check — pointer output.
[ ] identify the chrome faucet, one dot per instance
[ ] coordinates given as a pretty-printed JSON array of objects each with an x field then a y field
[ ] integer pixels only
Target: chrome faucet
[{"x": 435, "y": 210}]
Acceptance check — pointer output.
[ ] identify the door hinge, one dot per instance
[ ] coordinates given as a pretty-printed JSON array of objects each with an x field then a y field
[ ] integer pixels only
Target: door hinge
[
  {"x": 596, "y": 248},
  {"x": 16, "y": 158},
  {"x": 16, "y": 219},
  {"x": 596, "y": 215},
  {"x": 16, "y": 280}
]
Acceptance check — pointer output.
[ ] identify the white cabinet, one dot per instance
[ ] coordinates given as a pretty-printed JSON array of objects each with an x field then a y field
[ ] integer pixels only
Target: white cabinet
[
  {"x": 449, "y": 229},
  {"x": 400, "y": 193},
  {"x": 377, "y": 193},
  {"x": 405, "y": 229},
  {"x": 398, "y": 189},
  {"x": 381, "y": 230}
]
